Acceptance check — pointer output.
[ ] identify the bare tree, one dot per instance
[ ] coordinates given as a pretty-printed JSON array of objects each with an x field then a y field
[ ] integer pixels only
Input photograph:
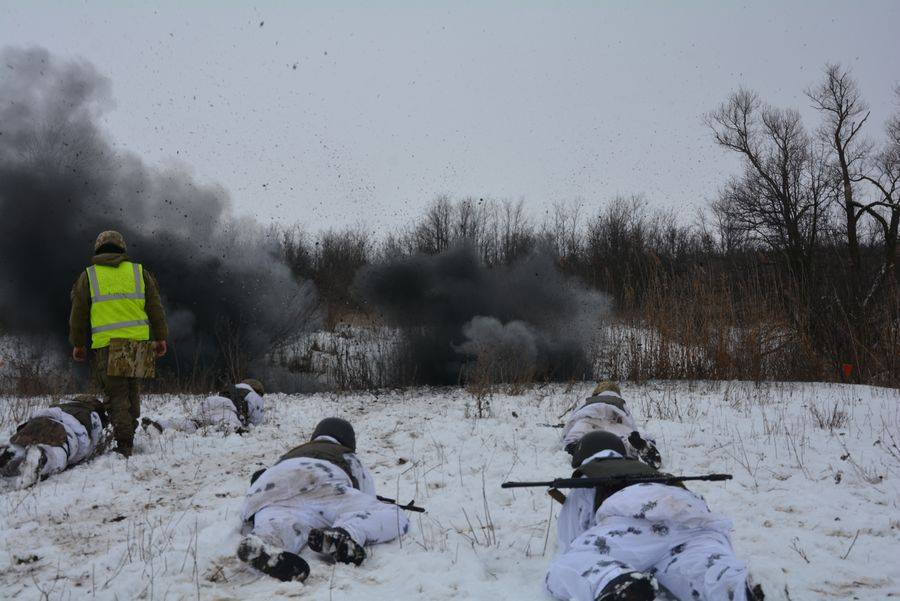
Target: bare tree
[
  {"x": 562, "y": 230},
  {"x": 845, "y": 113},
  {"x": 516, "y": 234},
  {"x": 434, "y": 233},
  {"x": 884, "y": 176},
  {"x": 784, "y": 193},
  {"x": 783, "y": 201}
]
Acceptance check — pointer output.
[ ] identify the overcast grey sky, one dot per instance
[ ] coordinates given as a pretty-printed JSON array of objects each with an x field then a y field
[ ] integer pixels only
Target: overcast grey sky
[{"x": 343, "y": 113}]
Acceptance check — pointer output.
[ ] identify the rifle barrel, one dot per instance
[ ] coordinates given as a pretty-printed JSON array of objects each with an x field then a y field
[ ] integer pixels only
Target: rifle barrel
[
  {"x": 525, "y": 484},
  {"x": 637, "y": 479},
  {"x": 408, "y": 507}
]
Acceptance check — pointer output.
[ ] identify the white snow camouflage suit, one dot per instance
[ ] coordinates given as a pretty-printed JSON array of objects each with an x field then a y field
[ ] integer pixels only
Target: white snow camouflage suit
[
  {"x": 603, "y": 415},
  {"x": 296, "y": 495},
  {"x": 662, "y": 530},
  {"x": 219, "y": 412},
  {"x": 80, "y": 443}
]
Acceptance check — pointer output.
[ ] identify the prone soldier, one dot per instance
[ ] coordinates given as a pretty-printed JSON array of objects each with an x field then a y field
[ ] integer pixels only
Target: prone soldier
[
  {"x": 232, "y": 410},
  {"x": 606, "y": 410},
  {"x": 633, "y": 541},
  {"x": 53, "y": 439},
  {"x": 318, "y": 495}
]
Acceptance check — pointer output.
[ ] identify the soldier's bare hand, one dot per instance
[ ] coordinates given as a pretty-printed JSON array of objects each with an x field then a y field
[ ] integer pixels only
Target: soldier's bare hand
[
  {"x": 160, "y": 347},
  {"x": 79, "y": 353}
]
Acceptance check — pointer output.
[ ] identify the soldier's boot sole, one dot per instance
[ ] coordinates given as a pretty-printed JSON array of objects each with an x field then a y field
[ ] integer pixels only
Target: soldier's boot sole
[
  {"x": 646, "y": 450},
  {"x": 31, "y": 468},
  {"x": 150, "y": 426},
  {"x": 337, "y": 543},
  {"x": 755, "y": 592},
  {"x": 11, "y": 457},
  {"x": 281, "y": 565},
  {"x": 635, "y": 586},
  {"x": 651, "y": 456}
]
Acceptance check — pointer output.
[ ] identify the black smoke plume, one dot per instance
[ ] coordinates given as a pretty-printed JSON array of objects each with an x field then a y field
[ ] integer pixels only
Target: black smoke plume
[
  {"x": 62, "y": 182},
  {"x": 529, "y": 319}
]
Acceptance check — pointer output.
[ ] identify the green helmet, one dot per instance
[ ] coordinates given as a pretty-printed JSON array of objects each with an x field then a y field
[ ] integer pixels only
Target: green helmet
[
  {"x": 594, "y": 442},
  {"x": 337, "y": 428}
]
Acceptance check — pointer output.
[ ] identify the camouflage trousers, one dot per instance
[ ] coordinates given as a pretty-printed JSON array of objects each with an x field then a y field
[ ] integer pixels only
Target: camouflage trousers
[
  {"x": 664, "y": 531},
  {"x": 366, "y": 519},
  {"x": 122, "y": 400},
  {"x": 694, "y": 564}
]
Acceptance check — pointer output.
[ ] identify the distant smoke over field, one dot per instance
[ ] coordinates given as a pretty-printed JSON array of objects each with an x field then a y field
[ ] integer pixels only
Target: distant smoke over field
[
  {"x": 528, "y": 317},
  {"x": 62, "y": 182}
]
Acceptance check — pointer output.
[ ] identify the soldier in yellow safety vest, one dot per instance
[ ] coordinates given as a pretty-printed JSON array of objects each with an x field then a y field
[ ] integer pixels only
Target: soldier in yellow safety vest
[{"x": 115, "y": 298}]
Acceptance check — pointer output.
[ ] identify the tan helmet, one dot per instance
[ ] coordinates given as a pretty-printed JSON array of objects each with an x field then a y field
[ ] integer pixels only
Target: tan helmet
[
  {"x": 256, "y": 385},
  {"x": 85, "y": 398},
  {"x": 110, "y": 237},
  {"x": 93, "y": 403},
  {"x": 607, "y": 386}
]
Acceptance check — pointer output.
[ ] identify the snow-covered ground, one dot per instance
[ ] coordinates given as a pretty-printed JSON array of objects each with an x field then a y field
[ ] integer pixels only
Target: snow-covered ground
[{"x": 815, "y": 499}]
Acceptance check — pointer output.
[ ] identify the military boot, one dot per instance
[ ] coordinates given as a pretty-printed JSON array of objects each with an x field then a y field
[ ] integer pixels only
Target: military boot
[
  {"x": 646, "y": 450},
  {"x": 124, "y": 451},
  {"x": 125, "y": 448},
  {"x": 282, "y": 565},
  {"x": 755, "y": 592},
  {"x": 635, "y": 586},
  {"x": 337, "y": 543},
  {"x": 11, "y": 457},
  {"x": 150, "y": 426}
]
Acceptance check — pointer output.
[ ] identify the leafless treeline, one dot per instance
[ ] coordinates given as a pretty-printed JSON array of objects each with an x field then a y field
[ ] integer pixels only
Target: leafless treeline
[
  {"x": 824, "y": 204},
  {"x": 791, "y": 273}
]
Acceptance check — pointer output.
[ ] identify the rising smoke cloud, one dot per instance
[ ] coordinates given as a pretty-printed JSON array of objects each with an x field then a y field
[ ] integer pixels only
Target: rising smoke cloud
[
  {"x": 453, "y": 309},
  {"x": 62, "y": 182}
]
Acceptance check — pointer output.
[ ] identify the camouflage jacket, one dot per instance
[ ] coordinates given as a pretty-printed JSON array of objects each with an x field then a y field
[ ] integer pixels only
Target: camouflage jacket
[
  {"x": 326, "y": 451},
  {"x": 81, "y": 408},
  {"x": 607, "y": 398},
  {"x": 80, "y": 316}
]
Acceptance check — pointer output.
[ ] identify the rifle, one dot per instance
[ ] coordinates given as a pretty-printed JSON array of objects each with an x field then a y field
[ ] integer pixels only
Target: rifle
[
  {"x": 623, "y": 479},
  {"x": 408, "y": 507}
]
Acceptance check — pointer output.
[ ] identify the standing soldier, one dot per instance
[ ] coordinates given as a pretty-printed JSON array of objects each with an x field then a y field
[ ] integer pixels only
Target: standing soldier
[{"x": 116, "y": 306}]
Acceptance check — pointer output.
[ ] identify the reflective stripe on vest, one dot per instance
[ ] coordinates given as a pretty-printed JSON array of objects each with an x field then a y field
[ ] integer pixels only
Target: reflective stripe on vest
[
  {"x": 117, "y": 303},
  {"x": 96, "y": 297}
]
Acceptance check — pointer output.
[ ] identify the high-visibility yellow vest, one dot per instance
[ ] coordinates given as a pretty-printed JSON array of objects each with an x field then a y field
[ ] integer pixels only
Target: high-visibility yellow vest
[{"x": 117, "y": 303}]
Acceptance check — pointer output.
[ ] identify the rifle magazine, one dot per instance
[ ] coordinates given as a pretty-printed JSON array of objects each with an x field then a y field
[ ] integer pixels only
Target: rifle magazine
[{"x": 557, "y": 495}]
